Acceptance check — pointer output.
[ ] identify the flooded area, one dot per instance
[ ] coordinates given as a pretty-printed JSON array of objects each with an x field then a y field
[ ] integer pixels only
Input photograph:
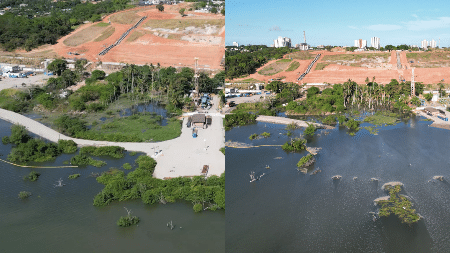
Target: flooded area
[{"x": 287, "y": 210}]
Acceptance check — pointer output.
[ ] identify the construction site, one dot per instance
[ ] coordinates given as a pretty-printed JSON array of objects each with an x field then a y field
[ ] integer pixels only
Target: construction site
[{"x": 143, "y": 35}]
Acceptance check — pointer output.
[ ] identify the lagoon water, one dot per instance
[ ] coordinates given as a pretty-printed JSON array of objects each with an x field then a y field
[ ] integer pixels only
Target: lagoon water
[
  {"x": 63, "y": 219},
  {"x": 288, "y": 211}
]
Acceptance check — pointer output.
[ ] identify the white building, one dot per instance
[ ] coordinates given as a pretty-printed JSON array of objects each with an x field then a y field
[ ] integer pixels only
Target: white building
[
  {"x": 375, "y": 42},
  {"x": 433, "y": 44},
  {"x": 282, "y": 42},
  {"x": 360, "y": 43},
  {"x": 235, "y": 44},
  {"x": 424, "y": 44},
  {"x": 303, "y": 46}
]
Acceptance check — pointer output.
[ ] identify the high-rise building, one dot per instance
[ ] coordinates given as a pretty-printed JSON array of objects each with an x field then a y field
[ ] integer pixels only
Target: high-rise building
[
  {"x": 433, "y": 44},
  {"x": 424, "y": 44},
  {"x": 235, "y": 44},
  {"x": 282, "y": 42},
  {"x": 375, "y": 42},
  {"x": 360, "y": 43}
]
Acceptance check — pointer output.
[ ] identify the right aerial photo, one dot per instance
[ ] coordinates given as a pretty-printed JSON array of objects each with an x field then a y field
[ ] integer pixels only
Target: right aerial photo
[{"x": 336, "y": 126}]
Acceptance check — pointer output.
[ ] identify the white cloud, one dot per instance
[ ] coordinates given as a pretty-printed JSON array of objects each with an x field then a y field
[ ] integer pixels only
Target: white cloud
[
  {"x": 352, "y": 27},
  {"x": 382, "y": 27},
  {"x": 421, "y": 25},
  {"x": 414, "y": 15}
]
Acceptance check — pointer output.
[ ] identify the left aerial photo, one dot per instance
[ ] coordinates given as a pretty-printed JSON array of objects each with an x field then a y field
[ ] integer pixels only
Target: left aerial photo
[{"x": 111, "y": 122}]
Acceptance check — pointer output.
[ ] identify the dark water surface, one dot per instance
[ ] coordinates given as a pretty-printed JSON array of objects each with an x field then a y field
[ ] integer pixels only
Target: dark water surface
[
  {"x": 288, "y": 211},
  {"x": 63, "y": 219}
]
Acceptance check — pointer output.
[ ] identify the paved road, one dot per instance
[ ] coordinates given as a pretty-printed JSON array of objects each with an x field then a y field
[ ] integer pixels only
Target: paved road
[
  {"x": 182, "y": 156},
  {"x": 7, "y": 82}
]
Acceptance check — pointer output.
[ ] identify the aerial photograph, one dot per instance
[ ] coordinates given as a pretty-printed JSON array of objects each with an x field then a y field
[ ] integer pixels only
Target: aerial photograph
[
  {"x": 112, "y": 126},
  {"x": 337, "y": 126}
]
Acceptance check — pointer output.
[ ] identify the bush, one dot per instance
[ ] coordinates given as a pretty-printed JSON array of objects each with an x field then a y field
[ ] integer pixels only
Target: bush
[
  {"x": 253, "y": 136},
  {"x": 33, "y": 176},
  {"x": 112, "y": 151},
  {"x": 84, "y": 160},
  {"x": 310, "y": 130},
  {"x": 126, "y": 221},
  {"x": 329, "y": 120},
  {"x": 74, "y": 176},
  {"x": 265, "y": 135},
  {"x": 67, "y": 146},
  {"x": 198, "y": 208},
  {"x": 127, "y": 166},
  {"x": 295, "y": 145},
  {"x": 304, "y": 160},
  {"x": 24, "y": 194}
]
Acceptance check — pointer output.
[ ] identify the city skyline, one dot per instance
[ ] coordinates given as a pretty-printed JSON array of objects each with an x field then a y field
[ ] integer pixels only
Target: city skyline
[{"x": 395, "y": 23}]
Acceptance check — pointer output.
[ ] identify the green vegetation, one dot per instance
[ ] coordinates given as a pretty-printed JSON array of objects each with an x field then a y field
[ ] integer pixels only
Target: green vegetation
[
  {"x": 372, "y": 130},
  {"x": 241, "y": 63},
  {"x": 24, "y": 194},
  {"x": 301, "y": 55},
  {"x": 102, "y": 24},
  {"x": 428, "y": 96},
  {"x": 126, "y": 221},
  {"x": 258, "y": 108},
  {"x": 398, "y": 205},
  {"x": 133, "y": 153},
  {"x": 294, "y": 65},
  {"x": 160, "y": 7},
  {"x": 352, "y": 125},
  {"x": 355, "y": 57},
  {"x": 294, "y": 145},
  {"x": 329, "y": 120},
  {"x": 321, "y": 65},
  {"x": 33, "y": 176},
  {"x": 253, "y": 136},
  {"x": 265, "y": 134},
  {"x": 74, "y": 176},
  {"x": 382, "y": 118},
  {"x": 291, "y": 126},
  {"x": 304, "y": 160},
  {"x": 127, "y": 166},
  {"x": 84, "y": 160},
  {"x": 275, "y": 67},
  {"x": 222, "y": 150},
  {"x": 183, "y": 24},
  {"x": 112, "y": 151},
  {"x": 139, "y": 184},
  {"x": 310, "y": 130},
  {"x": 26, "y": 149},
  {"x": 44, "y": 22},
  {"x": 140, "y": 127},
  {"x": 238, "y": 119}
]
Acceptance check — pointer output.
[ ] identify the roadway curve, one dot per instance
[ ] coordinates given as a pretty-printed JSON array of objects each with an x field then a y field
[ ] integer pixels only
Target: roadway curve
[{"x": 182, "y": 156}]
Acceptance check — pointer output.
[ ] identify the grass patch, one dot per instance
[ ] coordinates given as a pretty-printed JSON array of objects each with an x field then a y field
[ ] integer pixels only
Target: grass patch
[
  {"x": 356, "y": 57},
  {"x": 304, "y": 160},
  {"x": 174, "y": 36},
  {"x": 85, "y": 35},
  {"x": 274, "y": 68},
  {"x": 222, "y": 150},
  {"x": 105, "y": 34},
  {"x": 321, "y": 65},
  {"x": 301, "y": 55},
  {"x": 102, "y": 24},
  {"x": 142, "y": 127},
  {"x": 380, "y": 119},
  {"x": 253, "y": 136},
  {"x": 182, "y": 24},
  {"x": 265, "y": 134},
  {"x": 128, "y": 17},
  {"x": 294, "y": 65},
  {"x": 250, "y": 80},
  {"x": 372, "y": 130},
  {"x": 135, "y": 35},
  {"x": 83, "y": 160},
  {"x": 284, "y": 60}
]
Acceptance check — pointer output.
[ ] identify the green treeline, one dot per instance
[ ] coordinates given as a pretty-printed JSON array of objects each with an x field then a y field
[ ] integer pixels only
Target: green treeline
[
  {"x": 247, "y": 59},
  {"x": 140, "y": 184},
  {"x": 26, "y": 149},
  {"x": 238, "y": 119},
  {"x": 19, "y": 28}
]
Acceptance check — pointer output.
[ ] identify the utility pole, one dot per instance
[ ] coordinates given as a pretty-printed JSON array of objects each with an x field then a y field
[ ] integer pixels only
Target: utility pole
[
  {"x": 304, "y": 36},
  {"x": 413, "y": 87},
  {"x": 197, "y": 89}
]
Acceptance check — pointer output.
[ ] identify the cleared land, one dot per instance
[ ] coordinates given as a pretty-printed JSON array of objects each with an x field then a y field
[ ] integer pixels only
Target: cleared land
[
  {"x": 85, "y": 35},
  {"x": 435, "y": 59},
  {"x": 357, "y": 60},
  {"x": 135, "y": 35},
  {"x": 105, "y": 34},
  {"x": 321, "y": 65},
  {"x": 275, "y": 67}
]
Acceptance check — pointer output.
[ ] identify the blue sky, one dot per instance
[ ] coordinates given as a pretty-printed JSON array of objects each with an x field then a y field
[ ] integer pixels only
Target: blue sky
[{"x": 337, "y": 22}]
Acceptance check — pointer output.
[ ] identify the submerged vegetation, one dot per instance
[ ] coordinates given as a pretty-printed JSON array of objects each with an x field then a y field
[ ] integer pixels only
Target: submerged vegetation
[
  {"x": 26, "y": 149},
  {"x": 140, "y": 184},
  {"x": 24, "y": 194},
  {"x": 304, "y": 161},
  {"x": 112, "y": 151},
  {"x": 33, "y": 176},
  {"x": 294, "y": 145},
  {"x": 84, "y": 160},
  {"x": 238, "y": 119},
  {"x": 74, "y": 176},
  {"x": 398, "y": 205}
]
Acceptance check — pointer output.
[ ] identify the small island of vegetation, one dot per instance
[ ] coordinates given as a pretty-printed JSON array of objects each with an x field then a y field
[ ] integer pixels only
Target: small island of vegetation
[{"x": 398, "y": 205}]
